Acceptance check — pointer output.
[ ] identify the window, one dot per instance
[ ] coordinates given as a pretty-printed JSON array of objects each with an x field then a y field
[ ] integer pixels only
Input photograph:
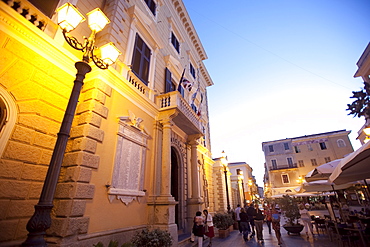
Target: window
[
  {"x": 322, "y": 145},
  {"x": 175, "y": 42},
  {"x": 313, "y": 162},
  {"x": 274, "y": 164},
  {"x": 151, "y": 5},
  {"x": 285, "y": 178},
  {"x": 300, "y": 163},
  {"x": 8, "y": 116},
  {"x": 286, "y": 146},
  {"x": 192, "y": 71},
  {"x": 3, "y": 114},
  {"x": 309, "y": 147},
  {"x": 296, "y": 149},
  {"x": 129, "y": 162},
  {"x": 271, "y": 148},
  {"x": 169, "y": 85},
  {"x": 327, "y": 159},
  {"x": 141, "y": 59},
  {"x": 341, "y": 143},
  {"x": 290, "y": 162}
]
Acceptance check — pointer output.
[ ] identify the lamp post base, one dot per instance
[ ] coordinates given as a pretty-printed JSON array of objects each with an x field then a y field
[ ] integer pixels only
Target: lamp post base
[{"x": 41, "y": 219}]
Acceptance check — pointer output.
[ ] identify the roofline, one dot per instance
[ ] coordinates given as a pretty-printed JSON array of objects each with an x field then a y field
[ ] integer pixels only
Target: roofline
[{"x": 308, "y": 136}]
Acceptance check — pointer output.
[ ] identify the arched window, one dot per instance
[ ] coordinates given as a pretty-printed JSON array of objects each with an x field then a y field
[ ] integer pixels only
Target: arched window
[
  {"x": 8, "y": 115},
  {"x": 341, "y": 143}
]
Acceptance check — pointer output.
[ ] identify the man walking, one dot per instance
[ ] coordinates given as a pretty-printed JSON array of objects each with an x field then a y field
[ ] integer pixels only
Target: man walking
[
  {"x": 251, "y": 212},
  {"x": 237, "y": 214}
]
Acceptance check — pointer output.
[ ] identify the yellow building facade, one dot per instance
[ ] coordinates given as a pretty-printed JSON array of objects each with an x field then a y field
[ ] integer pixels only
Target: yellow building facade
[
  {"x": 138, "y": 154},
  {"x": 287, "y": 161}
]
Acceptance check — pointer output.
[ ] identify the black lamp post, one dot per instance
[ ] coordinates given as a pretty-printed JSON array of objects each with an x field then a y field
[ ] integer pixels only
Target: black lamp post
[
  {"x": 224, "y": 164},
  {"x": 240, "y": 175},
  {"x": 41, "y": 219}
]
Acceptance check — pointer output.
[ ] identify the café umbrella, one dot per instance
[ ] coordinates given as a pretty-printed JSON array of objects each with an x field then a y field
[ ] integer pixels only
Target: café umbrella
[
  {"x": 323, "y": 171},
  {"x": 321, "y": 186},
  {"x": 354, "y": 167}
]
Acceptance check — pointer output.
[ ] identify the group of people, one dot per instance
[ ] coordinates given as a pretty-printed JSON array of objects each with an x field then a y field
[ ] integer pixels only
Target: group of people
[
  {"x": 203, "y": 226},
  {"x": 251, "y": 218}
]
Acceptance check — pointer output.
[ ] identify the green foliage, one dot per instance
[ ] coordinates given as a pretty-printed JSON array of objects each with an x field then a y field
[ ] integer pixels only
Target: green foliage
[
  {"x": 361, "y": 106},
  {"x": 99, "y": 244},
  {"x": 113, "y": 244},
  {"x": 129, "y": 244},
  {"x": 222, "y": 221},
  {"x": 289, "y": 208},
  {"x": 154, "y": 238}
]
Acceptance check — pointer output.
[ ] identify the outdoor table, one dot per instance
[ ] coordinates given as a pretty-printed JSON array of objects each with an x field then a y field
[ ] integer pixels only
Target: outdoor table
[{"x": 360, "y": 231}]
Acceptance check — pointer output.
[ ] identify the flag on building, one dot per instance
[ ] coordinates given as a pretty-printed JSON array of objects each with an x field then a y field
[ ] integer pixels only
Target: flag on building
[{"x": 187, "y": 84}]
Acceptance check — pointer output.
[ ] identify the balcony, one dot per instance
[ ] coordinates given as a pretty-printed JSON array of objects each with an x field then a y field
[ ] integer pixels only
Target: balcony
[
  {"x": 186, "y": 119},
  {"x": 284, "y": 167}
]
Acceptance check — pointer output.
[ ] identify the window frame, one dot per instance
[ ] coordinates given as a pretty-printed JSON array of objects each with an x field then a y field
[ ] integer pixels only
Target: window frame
[
  {"x": 175, "y": 42},
  {"x": 313, "y": 162},
  {"x": 323, "y": 146},
  {"x": 192, "y": 70},
  {"x": 301, "y": 163},
  {"x": 341, "y": 143},
  {"x": 286, "y": 146},
  {"x": 152, "y": 6},
  {"x": 274, "y": 164},
  {"x": 144, "y": 61},
  {"x": 287, "y": 178},
  {"x": 271, "y": 148}
]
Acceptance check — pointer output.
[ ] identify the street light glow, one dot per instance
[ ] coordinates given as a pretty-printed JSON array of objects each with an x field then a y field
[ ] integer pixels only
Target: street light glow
[{"x": 69, "y": 17}]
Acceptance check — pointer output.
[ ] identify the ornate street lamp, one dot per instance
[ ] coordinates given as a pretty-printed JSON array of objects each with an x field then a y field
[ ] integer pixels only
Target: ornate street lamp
[
  {"x": 241, "y": 177},
  {"x": 68, "y": 19},
  {"x": 224, "y": 164},
  {"x": 250, "y": 183}
]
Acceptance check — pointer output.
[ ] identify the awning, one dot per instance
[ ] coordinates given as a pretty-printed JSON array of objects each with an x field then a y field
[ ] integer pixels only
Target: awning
[
  {"x": 354, "y": 167},
  {"x": 322, "y": 172}
]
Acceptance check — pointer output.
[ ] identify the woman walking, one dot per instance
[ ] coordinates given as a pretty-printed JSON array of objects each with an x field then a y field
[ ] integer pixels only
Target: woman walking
[
  {"x": 275, "y": 221},
  {"x": 306, "y": 219},
  {"x": 209, "y": 231},
  {"x": 198, "y": 228},
  {"x": 258, "y": 222}
]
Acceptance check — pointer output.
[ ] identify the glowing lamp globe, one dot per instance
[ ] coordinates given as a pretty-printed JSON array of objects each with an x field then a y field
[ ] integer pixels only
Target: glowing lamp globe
[
  {"x": 109, "y": 53},
  {"x": 69, "y": 17},
  {"x": 97, "y": 20}
]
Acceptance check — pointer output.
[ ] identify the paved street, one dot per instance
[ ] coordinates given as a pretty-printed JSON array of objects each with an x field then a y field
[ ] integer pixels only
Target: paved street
[{"x": 235, "y": 239}]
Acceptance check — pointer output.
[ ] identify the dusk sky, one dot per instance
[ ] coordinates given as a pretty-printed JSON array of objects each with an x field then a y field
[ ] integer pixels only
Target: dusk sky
[{"x": 281, "y": 69}]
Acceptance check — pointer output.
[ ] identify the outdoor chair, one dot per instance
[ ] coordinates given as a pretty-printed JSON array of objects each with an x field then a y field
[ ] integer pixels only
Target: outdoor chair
[{"x": 320, "y": 225}]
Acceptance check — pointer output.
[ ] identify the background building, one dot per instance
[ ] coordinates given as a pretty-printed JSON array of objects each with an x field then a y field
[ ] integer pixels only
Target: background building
[
  {"x": 138, "y": 154},
  {"x": 363, "y": 71},
  {"x": 287, "y": 161}
]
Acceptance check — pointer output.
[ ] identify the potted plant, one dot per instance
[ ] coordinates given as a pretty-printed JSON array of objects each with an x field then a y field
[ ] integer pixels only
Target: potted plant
[
  {"x": 223, "y": 222},
  {"x": 290, "y": 211},
  {"x": 156, "y": 237}
]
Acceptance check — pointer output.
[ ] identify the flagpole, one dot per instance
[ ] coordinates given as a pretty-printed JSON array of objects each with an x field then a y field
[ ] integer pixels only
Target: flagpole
[{"x": 182, "y": 77}]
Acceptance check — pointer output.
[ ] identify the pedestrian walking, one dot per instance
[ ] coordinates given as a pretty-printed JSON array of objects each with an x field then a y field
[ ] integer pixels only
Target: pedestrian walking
[
  {"x": 258, "y": 221},
  {"x": 268, "y": 216},
  {"x": 306, "y": 219},
  {"x": 198, "y": 228},
  {"x": 237, "y": 216},
  {"x": 251, "y": 213},
  {"x": 209, "y": 229},
  {"x": 275, "y": 221},
  {"x": 244, "y": 223}
]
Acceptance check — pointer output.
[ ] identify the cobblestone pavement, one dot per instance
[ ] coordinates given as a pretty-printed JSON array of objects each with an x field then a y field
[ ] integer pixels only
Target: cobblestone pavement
[{"x": 235, "y": 239}]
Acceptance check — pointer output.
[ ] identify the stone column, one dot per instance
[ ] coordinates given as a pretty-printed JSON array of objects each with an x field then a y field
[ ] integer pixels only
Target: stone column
[
  {"x": 194, "y": 170},
  {"x": 166, "y": 158},
  {"x": 195, "y": 202}
]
